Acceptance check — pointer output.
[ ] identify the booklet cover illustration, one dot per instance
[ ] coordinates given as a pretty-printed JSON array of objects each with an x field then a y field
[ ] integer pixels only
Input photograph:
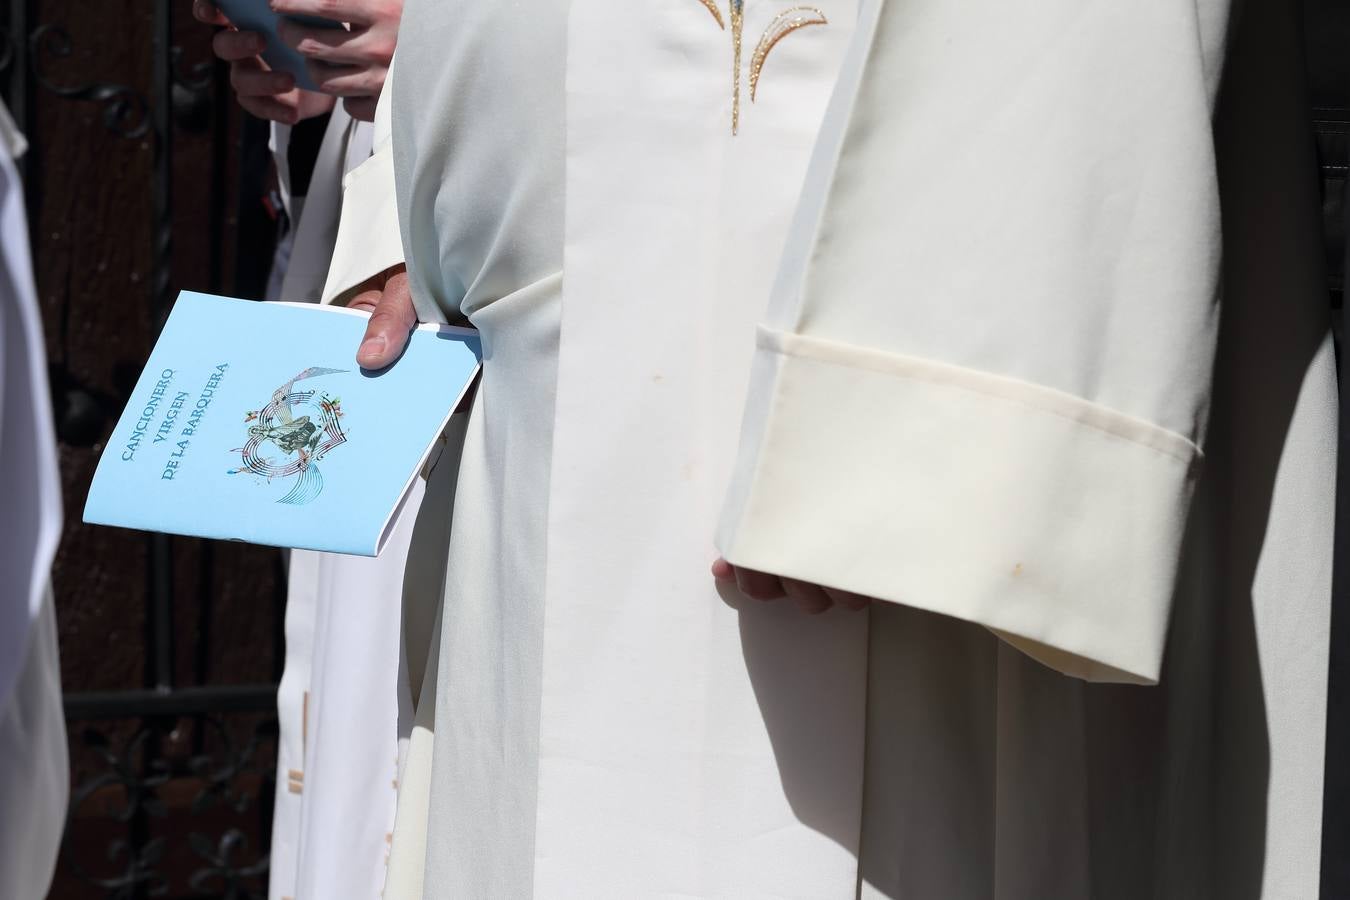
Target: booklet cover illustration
[
  {"x": 252, "y": 421},
  {"x": 302, "y": 441}
]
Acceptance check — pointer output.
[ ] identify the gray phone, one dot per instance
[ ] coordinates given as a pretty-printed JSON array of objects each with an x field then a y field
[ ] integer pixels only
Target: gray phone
[{"x": 257, "y": 15}]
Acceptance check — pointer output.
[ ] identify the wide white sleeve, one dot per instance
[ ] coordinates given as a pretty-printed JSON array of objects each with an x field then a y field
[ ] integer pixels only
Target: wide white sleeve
[
  {"x": 368, "y": 237},
  {"x": 982, "y": 380},
  {"x": 34, "y": 774},
  {"x": 34, "y": 764}
]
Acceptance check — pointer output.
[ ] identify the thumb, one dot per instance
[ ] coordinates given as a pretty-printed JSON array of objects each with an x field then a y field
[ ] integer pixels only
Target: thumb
[{"x": 390, "y": 325}]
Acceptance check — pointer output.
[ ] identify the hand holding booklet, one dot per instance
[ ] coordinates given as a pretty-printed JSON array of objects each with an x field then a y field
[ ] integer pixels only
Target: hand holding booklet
[{"x": 253, "y": 422}]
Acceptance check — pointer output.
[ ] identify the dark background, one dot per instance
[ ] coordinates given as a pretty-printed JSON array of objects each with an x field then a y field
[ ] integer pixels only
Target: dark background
[
  {"x": 143, "y": 179},
  {"x": 170, "y": 647}
]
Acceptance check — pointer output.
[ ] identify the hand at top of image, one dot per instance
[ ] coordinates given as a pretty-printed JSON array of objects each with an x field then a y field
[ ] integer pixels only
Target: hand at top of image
[
  {"x": 262, "y": 92},
  {"x": 350, "y": 63}
]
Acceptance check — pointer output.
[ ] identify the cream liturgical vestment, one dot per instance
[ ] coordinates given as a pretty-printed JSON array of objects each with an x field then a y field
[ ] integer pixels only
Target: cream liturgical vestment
[
  {"x": 337, "y": 708},
  {"x": 918, "y": 299},
  {"x": 34, "y": 769}
]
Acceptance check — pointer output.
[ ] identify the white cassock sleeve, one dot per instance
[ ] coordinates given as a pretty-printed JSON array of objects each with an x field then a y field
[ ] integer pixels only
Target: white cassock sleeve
[
  {"x": 34, "y": 769},
  {"x": 368, "y": 238},
  {"x": 986, "y": 364}
]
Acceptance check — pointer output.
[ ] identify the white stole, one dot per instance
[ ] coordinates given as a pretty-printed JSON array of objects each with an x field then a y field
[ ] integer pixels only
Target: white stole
[{"x": 657, "y": 691}]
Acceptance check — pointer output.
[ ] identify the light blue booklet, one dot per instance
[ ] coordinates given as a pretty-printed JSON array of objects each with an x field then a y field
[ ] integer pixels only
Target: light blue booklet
[{"x": 253, "y": 422}]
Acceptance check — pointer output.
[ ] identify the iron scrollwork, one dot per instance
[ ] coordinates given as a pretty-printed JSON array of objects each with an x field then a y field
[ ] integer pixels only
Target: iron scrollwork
[
  {"x": 125, "y": 111},
  {"x": 137, "y": 780},
  {"x": 132, "y": 784},
  {"x": 223, "y": 876},
  {"x": 191, "y": 91}
]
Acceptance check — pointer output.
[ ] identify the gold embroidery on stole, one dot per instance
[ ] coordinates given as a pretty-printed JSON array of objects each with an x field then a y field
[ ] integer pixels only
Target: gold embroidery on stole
[{"x": 783, "y": 24}]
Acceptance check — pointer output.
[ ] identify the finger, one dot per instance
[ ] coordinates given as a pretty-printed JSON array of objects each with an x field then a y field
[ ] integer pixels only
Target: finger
[
  {"x": 758, "y": 585},
  {"x": 390, "y": 325},
  {"x": 358, "y": 12},
  {"x": 366, "y": 295},
  {"x": 249, "y": 78},
  {"x": 346, "y": 81},
  {"x": 274, "y": 109},
  {"x": 205, "y": 11},
  {"x": 360, "y": 46},
  {"x": 848, "y": 599},
  {"x": 375, "y": 284},
  {"x": 723, "y": 570},
  {"x": 311, "y": 103},
  {"x": 233, "y": 46},
  {"x": 810, "y": 598},
  {"x": 360, "y": 108},
  {"x": 366, "y": 301}
]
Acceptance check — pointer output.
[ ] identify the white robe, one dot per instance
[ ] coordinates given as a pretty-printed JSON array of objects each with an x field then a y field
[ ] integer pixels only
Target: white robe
[
  {"x": 338, "y": 745},
  {"x": 978, "y": 395},
  {"x": 34, "y": 768}
]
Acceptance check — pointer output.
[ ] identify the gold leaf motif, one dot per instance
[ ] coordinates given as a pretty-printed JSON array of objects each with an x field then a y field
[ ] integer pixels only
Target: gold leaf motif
[
  {"x": 783, "y": 24},
  {"x": 737, "y": 24},
  {"x": 711, "y": 6}
]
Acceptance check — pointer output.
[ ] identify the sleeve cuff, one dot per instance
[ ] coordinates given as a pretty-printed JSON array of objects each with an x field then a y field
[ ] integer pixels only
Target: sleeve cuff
[
  {"x": 1053, "y": 521},
  {"x": 368, "y": 238}
]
